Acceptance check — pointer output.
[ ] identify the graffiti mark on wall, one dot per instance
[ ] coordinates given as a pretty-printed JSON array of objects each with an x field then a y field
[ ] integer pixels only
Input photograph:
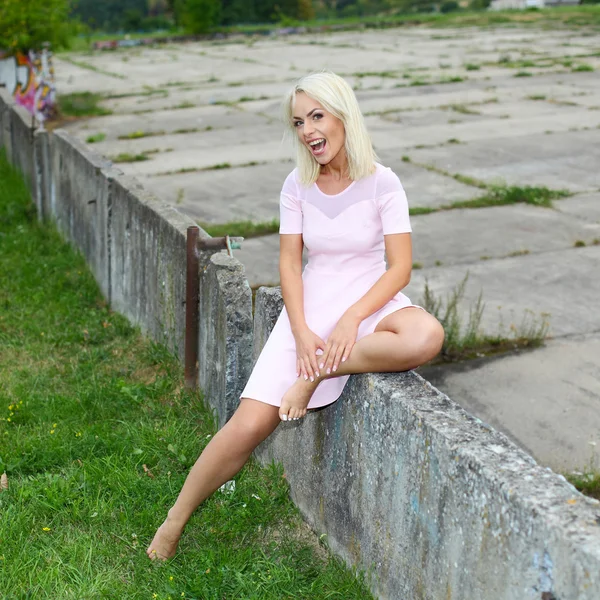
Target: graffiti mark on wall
[{"x": 30, "y": 79}]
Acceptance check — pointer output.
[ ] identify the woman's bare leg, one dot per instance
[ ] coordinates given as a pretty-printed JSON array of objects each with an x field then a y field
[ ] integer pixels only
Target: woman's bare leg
[
  {"x": 222, "y": 458},
  {"x": 401, "y": 341}
]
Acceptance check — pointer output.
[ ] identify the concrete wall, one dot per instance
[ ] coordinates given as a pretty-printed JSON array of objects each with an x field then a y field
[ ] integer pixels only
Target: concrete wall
[
  {"x": 21, "y": 140},
  {"x": 6, "y": 106},
  {"x": 427, "y": 499},
  {"x": 430, "y": 501},
  {"x": 226, "y": 314},
  {"x": 136, "y": 247}
]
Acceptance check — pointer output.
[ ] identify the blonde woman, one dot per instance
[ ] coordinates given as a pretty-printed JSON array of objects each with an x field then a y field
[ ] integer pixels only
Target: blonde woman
[{"x": 345, "y": 313}]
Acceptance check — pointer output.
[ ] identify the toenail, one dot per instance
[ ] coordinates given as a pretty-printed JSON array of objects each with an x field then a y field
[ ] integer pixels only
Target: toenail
[{"x": 284, "y": 417}]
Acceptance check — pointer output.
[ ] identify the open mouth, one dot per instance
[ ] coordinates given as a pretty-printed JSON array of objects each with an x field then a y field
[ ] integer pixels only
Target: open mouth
[{"x": 318, "y": 146}]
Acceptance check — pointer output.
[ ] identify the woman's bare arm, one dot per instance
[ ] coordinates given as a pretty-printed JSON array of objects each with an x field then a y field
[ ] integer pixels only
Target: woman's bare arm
[{"x": 290, "y": 274}]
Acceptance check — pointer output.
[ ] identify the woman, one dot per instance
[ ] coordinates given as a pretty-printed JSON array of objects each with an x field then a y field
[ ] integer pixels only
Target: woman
[{"x": 345, "y": 313}]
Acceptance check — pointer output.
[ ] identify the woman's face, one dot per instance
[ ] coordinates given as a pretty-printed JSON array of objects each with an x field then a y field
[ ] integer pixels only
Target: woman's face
[{"x": 322, "y": 133}]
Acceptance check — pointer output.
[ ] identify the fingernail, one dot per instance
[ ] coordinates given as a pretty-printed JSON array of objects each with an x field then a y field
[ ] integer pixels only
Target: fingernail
[
  {"x": 334, "y": 368},
  {"x": 321, "y": 366},
  {"x": 305, "y": 377},
  {"x": 328, "y": 371},
  {"x": 344, "y": 359},
  {"x": 318, "y": 374},
  {"x": 312, "y": 378}
]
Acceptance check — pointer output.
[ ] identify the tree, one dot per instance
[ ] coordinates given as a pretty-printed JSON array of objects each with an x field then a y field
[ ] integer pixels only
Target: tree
[
  {"x": 306, "y": 10},
  {"x": 200, "y": 15},
  {"x": 28, "y": 25}
]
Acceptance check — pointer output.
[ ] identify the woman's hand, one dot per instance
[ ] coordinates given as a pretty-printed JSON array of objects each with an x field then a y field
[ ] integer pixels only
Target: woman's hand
[
  {"x": 307, "y": 344},
  {"x": 340, "y": 343}
]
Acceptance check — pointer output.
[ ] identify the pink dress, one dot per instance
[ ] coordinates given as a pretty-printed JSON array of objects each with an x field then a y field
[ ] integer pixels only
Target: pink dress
[{"x": 343, "y": 235}]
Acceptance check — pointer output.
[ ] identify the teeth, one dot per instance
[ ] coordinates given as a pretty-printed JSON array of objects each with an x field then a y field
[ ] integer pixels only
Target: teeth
[{"x": 316, "y": 142}]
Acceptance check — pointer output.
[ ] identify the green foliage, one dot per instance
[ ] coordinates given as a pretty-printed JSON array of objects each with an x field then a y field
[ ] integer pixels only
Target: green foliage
[
  {"x": 245, "y": 229},
  {"x": 199, "y": 16},
  {"x": 97, "y": 137},
  {"x": 465, "y": 339},
  {"x": 81, "y": 104},
  {"x": 449, "y": 6},
  {"x": 29, "y": 25}
]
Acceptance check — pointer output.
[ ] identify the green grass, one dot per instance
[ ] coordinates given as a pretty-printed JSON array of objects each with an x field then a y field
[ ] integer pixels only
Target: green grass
[
  {"x": 97, "y": 137},
  {"x": 500, "y": 195},
  {"x": 82, "y": 104},
  {"x": 126, "y": 157},
  {"x": 582, "y": 68},
  {"x": 245, "y": 229},
  {"x": 136, "y": 135},
  {"x": 465, "y": 340},
  {"x": 97, "y": 436},
  {"x": 586, "y": 483}
]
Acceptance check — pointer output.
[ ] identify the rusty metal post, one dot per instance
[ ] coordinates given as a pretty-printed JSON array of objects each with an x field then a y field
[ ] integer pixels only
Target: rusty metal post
[{"x": 192, "y": 283}]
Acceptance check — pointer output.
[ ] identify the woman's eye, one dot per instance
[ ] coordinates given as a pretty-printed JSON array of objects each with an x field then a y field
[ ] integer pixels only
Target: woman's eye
[
  {"x": 297, "y": 123},
  {"x": 318, "y": 116}
]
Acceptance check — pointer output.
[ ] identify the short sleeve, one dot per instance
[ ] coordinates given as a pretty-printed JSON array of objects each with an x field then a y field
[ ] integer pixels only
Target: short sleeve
[
  {"x": 290, "y": 207},
  {"x": 392, "y": 203}
]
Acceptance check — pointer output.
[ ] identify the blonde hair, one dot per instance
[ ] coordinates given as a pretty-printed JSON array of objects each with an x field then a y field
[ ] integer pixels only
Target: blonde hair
[{"x": 337, "y": 97}]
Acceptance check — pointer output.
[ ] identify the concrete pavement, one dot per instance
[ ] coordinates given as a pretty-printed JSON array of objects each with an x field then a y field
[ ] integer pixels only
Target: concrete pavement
[{"x": 499, "y": 105}]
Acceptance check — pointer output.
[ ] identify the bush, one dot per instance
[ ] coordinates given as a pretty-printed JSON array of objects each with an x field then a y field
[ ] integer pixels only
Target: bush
[
  {"x": 28, "y": 26},
  {"x": 449, "y": 6}
]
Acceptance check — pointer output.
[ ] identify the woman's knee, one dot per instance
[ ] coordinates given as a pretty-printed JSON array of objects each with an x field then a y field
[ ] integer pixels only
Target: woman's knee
[
  {"x": 431, "y": 339},
  {"x": 426, "y": 339},
  {"x": 254, "y": 422}
]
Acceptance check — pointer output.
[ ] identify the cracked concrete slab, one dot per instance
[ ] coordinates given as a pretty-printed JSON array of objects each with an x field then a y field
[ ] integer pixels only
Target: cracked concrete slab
[
  {"x": 556, "y": 283},
  {"x": 545, "y": 400}
]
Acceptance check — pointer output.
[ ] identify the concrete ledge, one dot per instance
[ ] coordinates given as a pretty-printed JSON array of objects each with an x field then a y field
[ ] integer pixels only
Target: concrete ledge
[
  {"x": 79, "y": 200},
  {"x": 225, "y": 334},
  {"x": 21, "y": 135},
  {"x": 432, "y": 502},
  {"x": 148, "y": 261},
  {"x": 42, "y": 167},
  {"x": 6, "y": 105}
]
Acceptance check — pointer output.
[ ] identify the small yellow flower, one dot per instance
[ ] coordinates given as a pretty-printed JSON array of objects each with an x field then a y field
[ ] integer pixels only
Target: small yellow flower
[
  {"x": 171, "y": 578},
  {"x": 155, "y": 595},
  {"x": 51, "y": 431},
  {"x": 10, "y": 407},
  {"x": 182, "y": 594},
  {"x": 8, "y": 419},
  {"x": 45, "y": 528},
  {"x": 54, "y": 425}
]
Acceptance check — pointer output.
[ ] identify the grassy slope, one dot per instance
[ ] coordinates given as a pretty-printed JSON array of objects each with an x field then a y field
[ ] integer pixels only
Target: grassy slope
[{"x": 96, "y": 436}]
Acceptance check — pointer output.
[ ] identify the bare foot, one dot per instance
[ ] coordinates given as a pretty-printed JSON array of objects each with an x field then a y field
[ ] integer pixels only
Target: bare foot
[
  {"x": 164, "y": 544},
  {"x": 296, "y": 399}
]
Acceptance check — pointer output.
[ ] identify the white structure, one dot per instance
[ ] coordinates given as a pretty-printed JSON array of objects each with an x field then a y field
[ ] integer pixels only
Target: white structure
[{"x": 522, "y": 4}]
